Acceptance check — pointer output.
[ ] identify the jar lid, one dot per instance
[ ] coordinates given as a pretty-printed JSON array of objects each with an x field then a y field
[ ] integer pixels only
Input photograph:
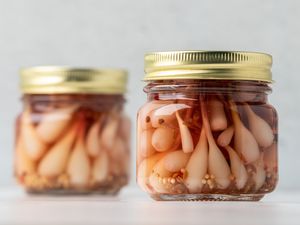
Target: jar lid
[
  {"x": 218, "y": 65},
  {"x": 60, "y": 80}
]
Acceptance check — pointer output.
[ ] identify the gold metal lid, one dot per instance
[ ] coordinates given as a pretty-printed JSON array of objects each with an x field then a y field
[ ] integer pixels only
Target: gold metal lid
[
  {"x": 218, "y": 65},
  {"x": 60, "y": 80}
]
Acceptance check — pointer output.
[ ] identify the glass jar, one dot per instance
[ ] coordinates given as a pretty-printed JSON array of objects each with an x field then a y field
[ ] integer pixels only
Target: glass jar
[
  {"x": 207, "y": 131},
  {"x": 72, "y": 136}
]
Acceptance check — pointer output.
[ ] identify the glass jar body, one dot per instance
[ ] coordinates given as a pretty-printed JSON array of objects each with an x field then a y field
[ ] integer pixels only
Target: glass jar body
[
  {"x": 72, "y": 143},
  {"x": 207, "y": 140}
]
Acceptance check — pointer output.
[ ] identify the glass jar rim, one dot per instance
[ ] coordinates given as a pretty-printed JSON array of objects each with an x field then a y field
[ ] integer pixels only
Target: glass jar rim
[{"x": 194, "y": 86}]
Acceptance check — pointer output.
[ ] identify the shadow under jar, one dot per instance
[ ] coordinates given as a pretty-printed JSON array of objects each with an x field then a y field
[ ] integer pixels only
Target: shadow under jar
[
  {"x": 207, "y": 131},
  {"x": 72, "y": 136}
]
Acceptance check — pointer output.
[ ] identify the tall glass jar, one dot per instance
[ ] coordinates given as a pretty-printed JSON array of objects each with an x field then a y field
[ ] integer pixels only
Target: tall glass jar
[
  {"x": 207, "y": 131},
  {"x": 72, "y": 136}
]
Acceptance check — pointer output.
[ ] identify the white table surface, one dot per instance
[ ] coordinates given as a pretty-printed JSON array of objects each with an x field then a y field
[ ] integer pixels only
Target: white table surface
[{"x": 134, "y": 207}]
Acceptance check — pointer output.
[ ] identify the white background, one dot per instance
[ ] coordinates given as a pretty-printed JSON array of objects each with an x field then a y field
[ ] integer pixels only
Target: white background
[{"x": 117, "y": 33}]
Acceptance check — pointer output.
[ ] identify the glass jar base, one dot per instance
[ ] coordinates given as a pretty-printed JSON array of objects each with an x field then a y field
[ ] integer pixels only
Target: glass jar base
[
  {"x": 207, "y": 197},
  {"x": 101, "y": 191}
]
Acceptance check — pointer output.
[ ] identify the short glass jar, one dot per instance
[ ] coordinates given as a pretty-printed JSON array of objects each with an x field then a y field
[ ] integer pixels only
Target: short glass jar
[
  {"x": 72, "y": 136},
  {"x": 207, "y": 131}
]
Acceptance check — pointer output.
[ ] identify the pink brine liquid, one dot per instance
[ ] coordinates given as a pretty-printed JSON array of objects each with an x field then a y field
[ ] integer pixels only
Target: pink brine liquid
[
  {"x": 207, "y": 140},
  {"x": 72, "y": 144}
]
